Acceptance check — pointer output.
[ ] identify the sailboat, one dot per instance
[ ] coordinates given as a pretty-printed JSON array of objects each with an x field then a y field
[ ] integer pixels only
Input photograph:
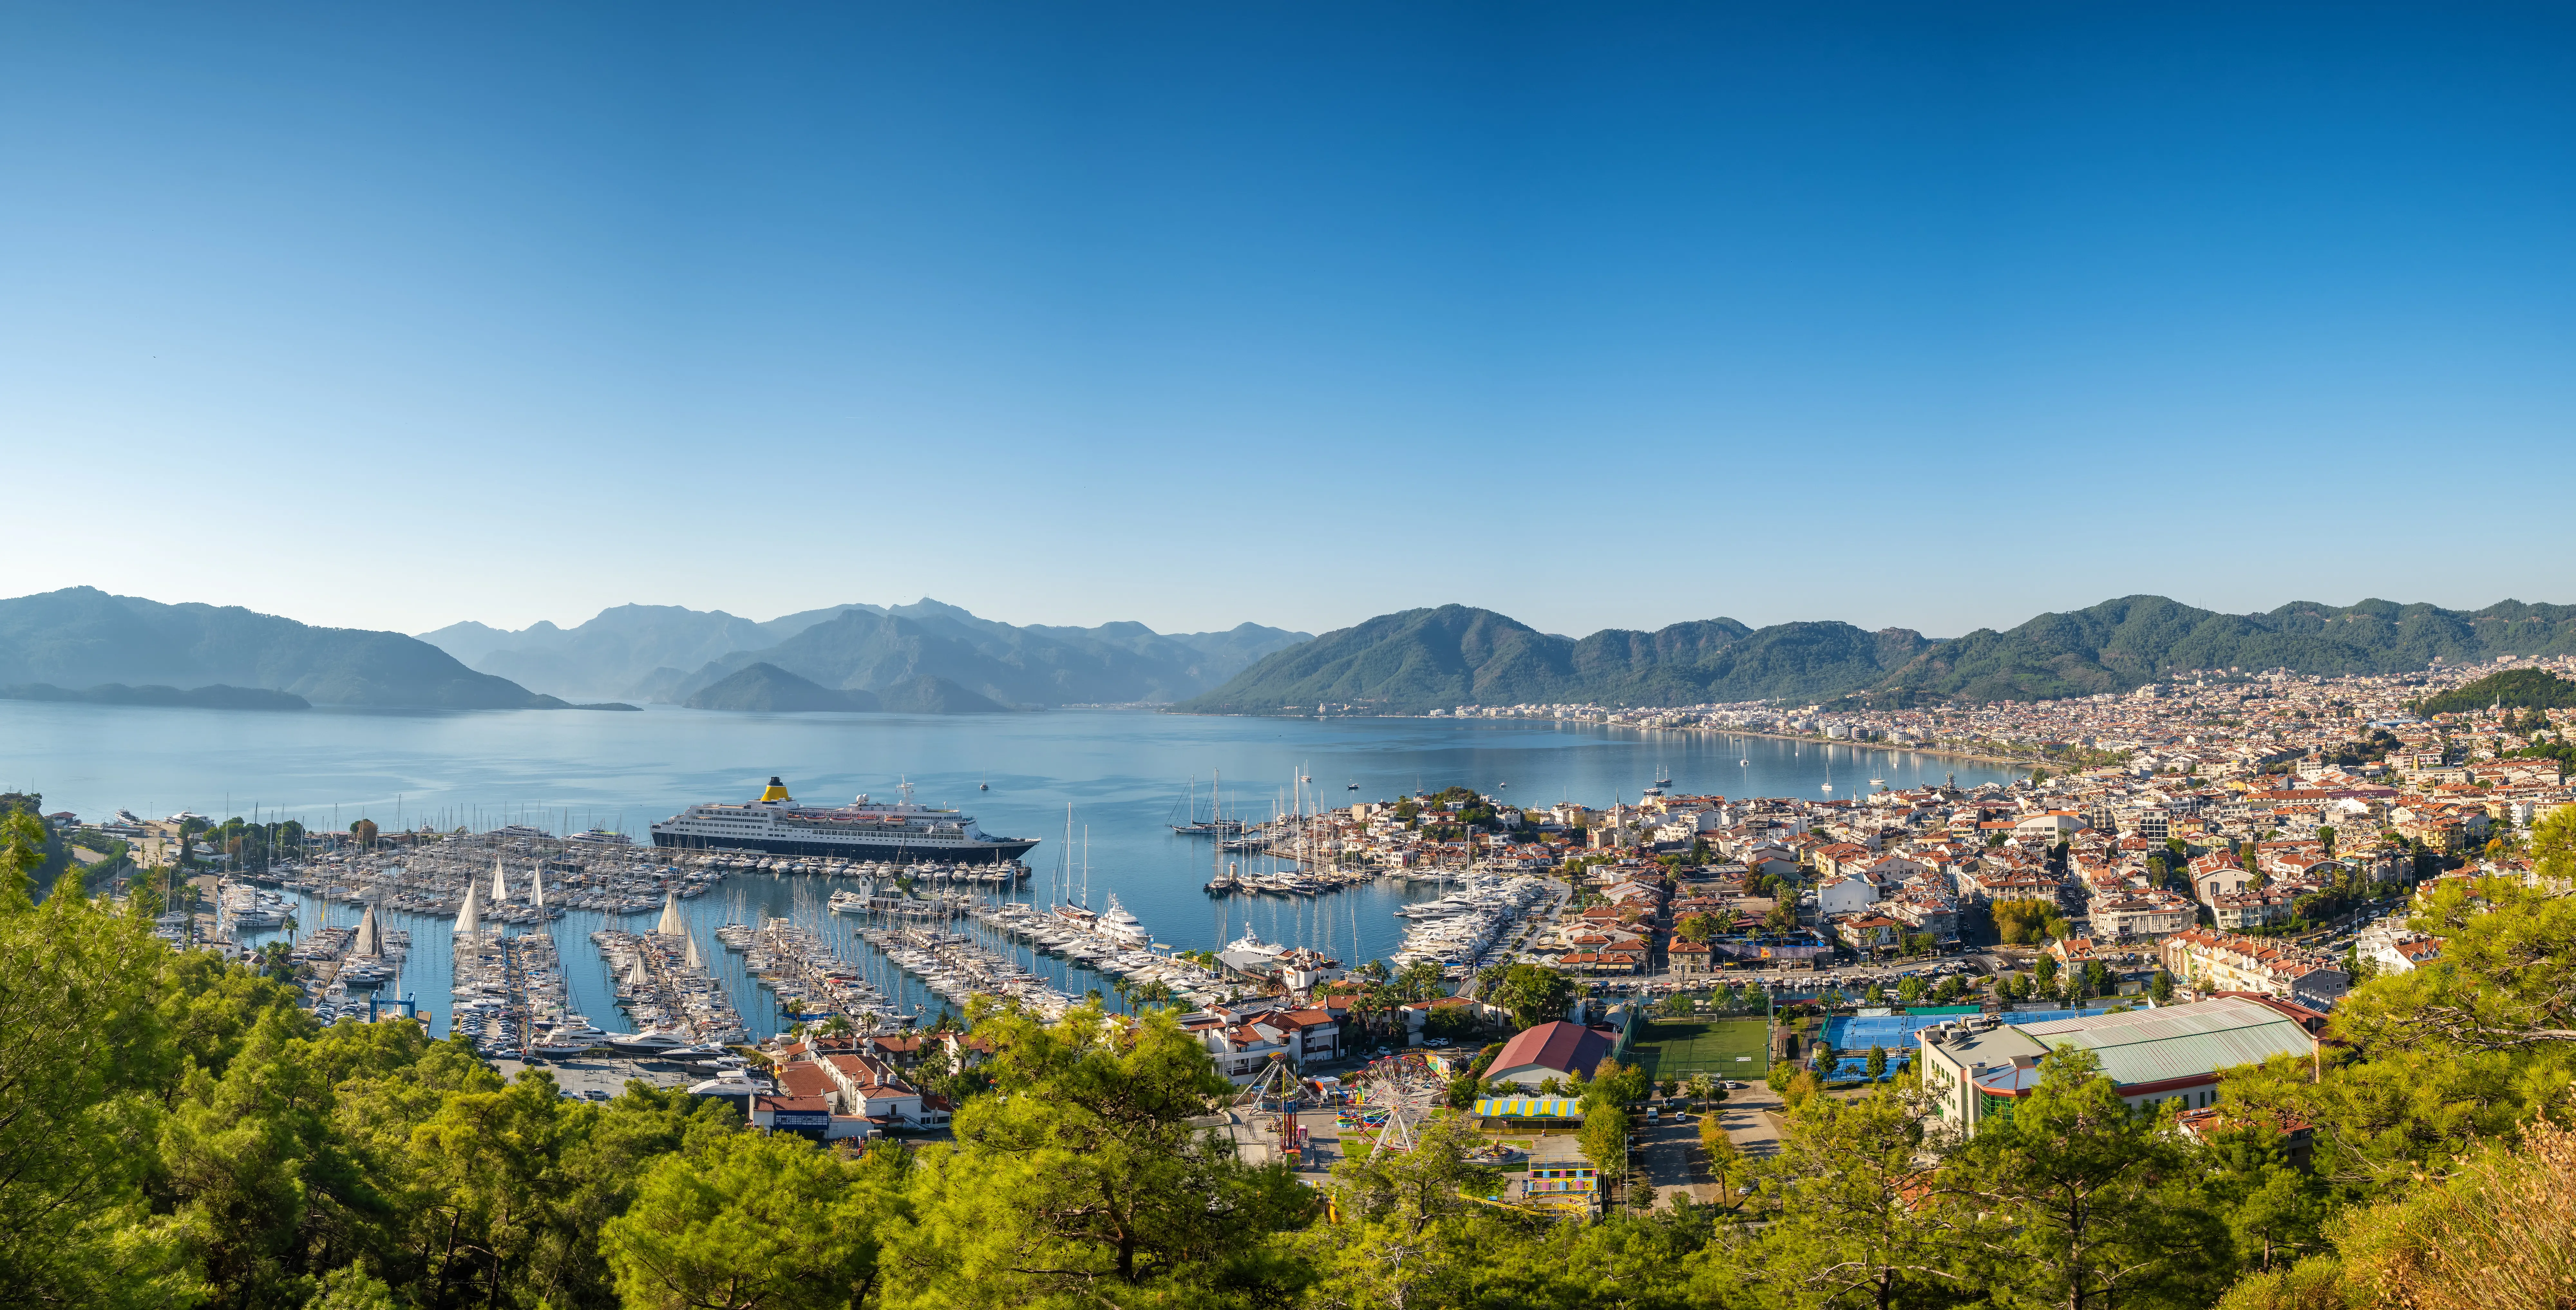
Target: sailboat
[
  {"x": 500, "y": 884},
  {"x": 469, "y": 917}
]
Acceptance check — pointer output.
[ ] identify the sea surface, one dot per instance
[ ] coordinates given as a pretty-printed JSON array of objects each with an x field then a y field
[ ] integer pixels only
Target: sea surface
[{"x": 1126, "y": 776}]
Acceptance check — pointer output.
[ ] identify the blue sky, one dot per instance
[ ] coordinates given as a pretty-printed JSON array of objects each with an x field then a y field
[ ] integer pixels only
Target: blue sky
[{"x": 1598, "y": 315}]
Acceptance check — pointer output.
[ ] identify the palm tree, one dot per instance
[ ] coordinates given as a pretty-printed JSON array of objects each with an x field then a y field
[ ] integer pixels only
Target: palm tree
[{"x": 290, "y": 928}]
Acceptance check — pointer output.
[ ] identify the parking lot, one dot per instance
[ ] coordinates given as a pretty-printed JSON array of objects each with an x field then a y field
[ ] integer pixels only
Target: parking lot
[{"x": 606, "y": 1075}]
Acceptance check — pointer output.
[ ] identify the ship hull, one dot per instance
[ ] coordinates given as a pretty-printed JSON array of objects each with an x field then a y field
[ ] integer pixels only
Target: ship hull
[{"x": 986, "y": 852}]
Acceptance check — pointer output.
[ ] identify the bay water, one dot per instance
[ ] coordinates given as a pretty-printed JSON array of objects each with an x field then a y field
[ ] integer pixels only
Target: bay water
[{"x": 1126, "y": 776}]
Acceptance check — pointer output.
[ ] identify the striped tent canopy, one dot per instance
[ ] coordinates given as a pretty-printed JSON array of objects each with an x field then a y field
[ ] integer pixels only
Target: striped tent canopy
[{"x": 1529, "y": 1107}]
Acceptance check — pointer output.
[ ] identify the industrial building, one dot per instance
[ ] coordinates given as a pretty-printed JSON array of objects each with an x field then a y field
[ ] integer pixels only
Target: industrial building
[{"x": 1977, "y": 1068}]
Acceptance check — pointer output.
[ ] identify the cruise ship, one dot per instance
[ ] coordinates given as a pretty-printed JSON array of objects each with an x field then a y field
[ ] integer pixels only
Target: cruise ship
[{"x": 861, "y": 830}]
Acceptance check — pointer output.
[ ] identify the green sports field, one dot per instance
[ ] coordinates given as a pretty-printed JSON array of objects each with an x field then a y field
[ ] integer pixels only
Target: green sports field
[{"x": 1724, "y": 1048}]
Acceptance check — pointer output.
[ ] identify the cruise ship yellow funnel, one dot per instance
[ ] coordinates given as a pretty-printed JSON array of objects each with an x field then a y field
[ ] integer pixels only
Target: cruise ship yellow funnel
[{"x": 776, "y": 792}]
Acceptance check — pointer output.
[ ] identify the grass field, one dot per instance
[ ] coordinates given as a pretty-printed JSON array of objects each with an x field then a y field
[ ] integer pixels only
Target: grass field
[{"x": 1678, "y": 1048}]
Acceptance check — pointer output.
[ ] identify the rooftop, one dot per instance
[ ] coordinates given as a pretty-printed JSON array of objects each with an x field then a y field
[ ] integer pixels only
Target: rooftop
[{"x": 2179, "y": 1041}]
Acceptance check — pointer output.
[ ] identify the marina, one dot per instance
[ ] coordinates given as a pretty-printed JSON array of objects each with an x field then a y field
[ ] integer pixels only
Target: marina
[{"x": 1124, "y": 769}]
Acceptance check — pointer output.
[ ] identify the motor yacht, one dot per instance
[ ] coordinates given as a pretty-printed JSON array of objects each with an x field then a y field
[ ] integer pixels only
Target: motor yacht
[{"x": 658, "y": 1042}]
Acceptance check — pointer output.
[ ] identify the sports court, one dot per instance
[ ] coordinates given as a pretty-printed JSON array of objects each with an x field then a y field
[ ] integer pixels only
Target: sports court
[{"x": 1724, "y": 1048}]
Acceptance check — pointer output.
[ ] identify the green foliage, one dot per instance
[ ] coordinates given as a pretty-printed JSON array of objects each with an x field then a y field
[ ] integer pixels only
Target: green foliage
[
  {"x": 1843, "y": 1218},
  {"x": 2101, "y": 1200},
  {"x": 1081, "y": 1170},
  {"x": 1532, "y": 994},
  {"x": 2025, "y": 922},
  {"x": 22, "y": 853},
  {"x": 2522, "y": 689},
  {"x": 741, "y": 1221}
]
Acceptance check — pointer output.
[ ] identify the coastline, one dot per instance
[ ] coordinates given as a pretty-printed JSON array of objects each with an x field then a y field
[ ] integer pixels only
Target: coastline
[{"x": 1942, "y": 752}]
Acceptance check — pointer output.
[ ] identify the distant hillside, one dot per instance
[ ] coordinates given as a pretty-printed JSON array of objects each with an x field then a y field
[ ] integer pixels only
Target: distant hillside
[
  {"x": 117, "y": 693},
  {"x": 667, "y": 653},
  {"x": 933, "y": 695},
  {"x": 1455, "y": 655},
  {"x": 1434, "y": 658},
  {"x": 2517, "y": 689},
  {"x": 604, "y": 657},
  {"x": 2120, "y": 644},
  {"x": 770, "y": 688},
  {"x": 83, "y": 637},
  {"x": 767, "y": 687}
]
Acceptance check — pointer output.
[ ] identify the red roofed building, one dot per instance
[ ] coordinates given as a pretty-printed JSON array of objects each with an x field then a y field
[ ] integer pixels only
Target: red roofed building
[{"x": 1550, "y": 1050}]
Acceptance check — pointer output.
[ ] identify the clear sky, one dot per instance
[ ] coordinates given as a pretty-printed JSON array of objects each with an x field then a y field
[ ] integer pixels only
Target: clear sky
[{"x": 1601, "y": 315}]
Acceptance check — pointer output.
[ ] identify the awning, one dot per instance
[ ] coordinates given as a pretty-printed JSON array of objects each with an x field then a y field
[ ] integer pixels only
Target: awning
[{"x": 1529, "y": 1107}]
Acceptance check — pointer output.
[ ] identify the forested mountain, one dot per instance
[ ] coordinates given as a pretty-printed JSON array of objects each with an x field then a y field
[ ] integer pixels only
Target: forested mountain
[
  {"x": 1454, "y": 655},
  {"x": 2121, "y": 643},
  {"x": 668, "y": 653},
  {"x": 83, "y": 637}
]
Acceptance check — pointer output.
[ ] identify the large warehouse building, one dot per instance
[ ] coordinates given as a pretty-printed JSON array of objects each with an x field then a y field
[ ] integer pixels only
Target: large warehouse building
[{"x": 1977, "y": 1068}]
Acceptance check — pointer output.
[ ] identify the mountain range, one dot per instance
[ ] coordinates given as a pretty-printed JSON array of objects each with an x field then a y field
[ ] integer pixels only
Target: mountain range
[
  {"x": 669, "y": 654},
  {"x": 1426, "y": 659},
  {"x": 84, "y": 637},
  {"x": 929, "y": 657}
]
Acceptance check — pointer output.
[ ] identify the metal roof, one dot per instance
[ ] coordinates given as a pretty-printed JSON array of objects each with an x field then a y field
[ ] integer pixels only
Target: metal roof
[
  {"x": 1560, "y": 1046},
  {"x": 2179, "y": 1041}
]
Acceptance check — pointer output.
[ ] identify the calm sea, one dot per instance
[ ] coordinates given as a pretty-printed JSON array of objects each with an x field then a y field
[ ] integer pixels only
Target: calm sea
[{"x": 1127, "y": 775}]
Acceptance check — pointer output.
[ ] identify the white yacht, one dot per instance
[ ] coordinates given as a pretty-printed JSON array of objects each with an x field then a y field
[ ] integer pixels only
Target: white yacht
[
  {"x": 571, "y": 1037},
  {"x": 1250, "y": 943},
  {"x": 1121, "y": 927},
  {"x": 732, "y": 1082},
  {"x": 658, "y": 1042}
]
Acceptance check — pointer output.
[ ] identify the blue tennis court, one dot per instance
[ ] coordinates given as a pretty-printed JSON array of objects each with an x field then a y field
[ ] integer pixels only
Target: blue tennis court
[{"x": 1896, "y": 1031}]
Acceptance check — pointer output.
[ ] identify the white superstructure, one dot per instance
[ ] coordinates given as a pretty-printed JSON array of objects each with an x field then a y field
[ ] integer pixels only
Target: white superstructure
[{"x": 861, "y": 830}]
